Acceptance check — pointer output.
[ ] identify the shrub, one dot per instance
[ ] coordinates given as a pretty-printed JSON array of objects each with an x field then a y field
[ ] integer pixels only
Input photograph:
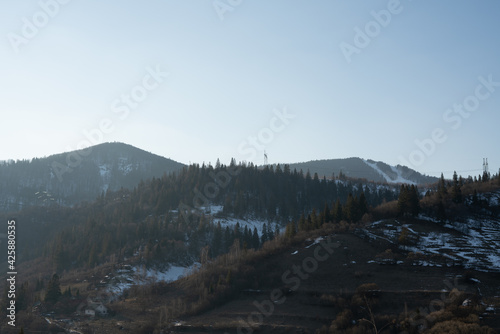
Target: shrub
[
  {"x": 343, "y": 320},
  {"x": 458, "y": 327}
]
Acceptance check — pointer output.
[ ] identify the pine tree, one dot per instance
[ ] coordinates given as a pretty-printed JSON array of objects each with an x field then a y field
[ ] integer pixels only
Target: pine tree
[
  {"x": 255, "y": 239},
  {"x": 217, "y": 241},
  {"x": 413, "y": 201},
  {"x": 22, "y": 297},
  {"x": 408, "y": 200},
  {"x": 314, "y": 220},
  {"x": 442, "y": 186},
  {"x": 351, "y": 208},
  {"x": 326, "y": 214},
  {"x": 302, "y": 223},
  {"x": 403, "y": 200},
  {"x": 53, "y": 290},
  {"x": 270, "y": 232},
  {"x": 363, "y": 204},
  {"x": 475, "y": 198},
  {"x": 338, "y": 214},
  {"x": 264, "y": 236},
  {"x": 486, "y": 176},
  {"x": 290, "y": 230},
  {"x": 456, "y": 191},
  {"x": 67, "y": 292}
]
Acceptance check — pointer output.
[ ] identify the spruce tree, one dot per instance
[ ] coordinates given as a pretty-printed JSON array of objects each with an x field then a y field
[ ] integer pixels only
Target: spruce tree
[
  {"x": 456, "y": 191},
  {"x": 217, "y": 241},
  {"x": 270, "y": 232},
  {"x": 228, "y": 240},
  {"x": 22, "y": 297},
  {"x": 403, "y": 200},
  {"x": 326, "y": 214},
  {"x": 290, "y": 230},
  {"x": 302, "y": 222},
  {"x": 264, "y": 236},
  {"x": 255, "y": 239},
  {"x": 363, "y": 204},
  {"x": 53, "y": 290},
  {"x": 351, "y": 208},
  {"x": 413, "y": 201},
  {"x": 339, "y": 214},
  {"x": 442, "y": 186}
]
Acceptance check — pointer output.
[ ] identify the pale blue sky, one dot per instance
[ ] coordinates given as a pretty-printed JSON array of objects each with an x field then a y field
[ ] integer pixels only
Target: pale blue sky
[{"x": 226, "y": 79}]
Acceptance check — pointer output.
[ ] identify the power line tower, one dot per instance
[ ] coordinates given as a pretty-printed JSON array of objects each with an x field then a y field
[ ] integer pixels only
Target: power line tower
[
  {"x": 265, "y": 158},
  {"x": 485, "y": 165}
]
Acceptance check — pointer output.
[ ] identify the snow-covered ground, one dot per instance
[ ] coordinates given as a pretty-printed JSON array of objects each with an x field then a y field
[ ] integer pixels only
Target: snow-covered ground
[
  {"x": 475, "y": 244},
  {"x": 250, "y": 223},
  {"x": 140, "y": 275}
]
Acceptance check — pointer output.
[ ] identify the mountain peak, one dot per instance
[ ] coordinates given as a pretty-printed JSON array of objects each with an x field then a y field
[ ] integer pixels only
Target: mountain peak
[
  {"x": 368, "y": 169},
  {"x": 82, "y": 175}
]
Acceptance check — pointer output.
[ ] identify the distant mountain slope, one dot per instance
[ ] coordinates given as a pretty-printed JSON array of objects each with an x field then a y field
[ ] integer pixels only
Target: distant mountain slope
[
  {"x": 376, "y": 171},
  {"x": 72, "y": 177}
]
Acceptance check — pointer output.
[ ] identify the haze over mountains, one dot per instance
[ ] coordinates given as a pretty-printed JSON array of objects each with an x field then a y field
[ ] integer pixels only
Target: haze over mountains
[
  {"x": 376, "y": 171},
  {"x": 70, "y": 178},
  {"x": 73, "y": 177},
  {"x": 233, "y": 232}
]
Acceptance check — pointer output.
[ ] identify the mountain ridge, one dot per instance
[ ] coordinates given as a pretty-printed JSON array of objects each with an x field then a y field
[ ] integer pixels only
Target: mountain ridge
[
  {"x": 359, "y": 168},
  {"x": 72, "y": 177}
]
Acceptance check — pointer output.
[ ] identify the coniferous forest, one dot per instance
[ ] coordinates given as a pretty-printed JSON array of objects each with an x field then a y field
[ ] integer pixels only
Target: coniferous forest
[
  {"x": 181, "y": 219},
  {"x": 159, "y": 214}
]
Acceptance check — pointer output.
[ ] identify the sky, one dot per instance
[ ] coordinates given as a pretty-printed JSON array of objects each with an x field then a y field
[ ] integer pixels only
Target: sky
[{"x": 405, "y": 82}]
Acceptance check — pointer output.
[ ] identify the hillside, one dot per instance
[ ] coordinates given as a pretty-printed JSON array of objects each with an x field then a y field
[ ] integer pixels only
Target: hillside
[
  {"x": 370, "y": 170},
  {"x": 339, "y": 278},
  {"x": 193, "y": 250},
  {"x": 70, "y": 178},
  {"x": 327, "y": 280},
  {"x": 343, "y": 242}
]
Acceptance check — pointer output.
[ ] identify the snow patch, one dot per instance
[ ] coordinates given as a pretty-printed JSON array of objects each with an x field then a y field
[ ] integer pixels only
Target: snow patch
[
  {"x": 316, "y": 241},
  {"x": 398, "y": 179}
]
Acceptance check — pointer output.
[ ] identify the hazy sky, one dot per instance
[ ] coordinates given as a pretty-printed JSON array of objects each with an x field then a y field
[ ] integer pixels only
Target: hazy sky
[{"x": 405, "y": 82}]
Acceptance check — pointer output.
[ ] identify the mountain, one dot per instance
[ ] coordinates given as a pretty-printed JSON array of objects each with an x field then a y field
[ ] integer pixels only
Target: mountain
[
  {"x": 70, "y": 178},
  {"x": 370, "y": 170},
  {"x": 347, "y": 252}
]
